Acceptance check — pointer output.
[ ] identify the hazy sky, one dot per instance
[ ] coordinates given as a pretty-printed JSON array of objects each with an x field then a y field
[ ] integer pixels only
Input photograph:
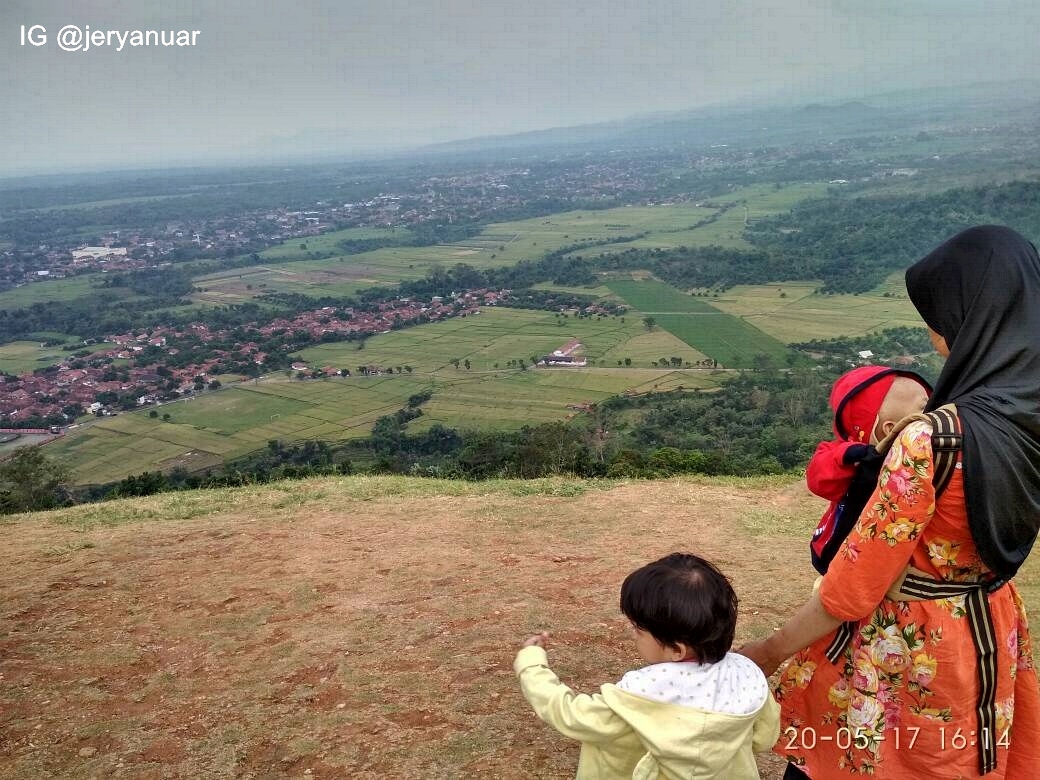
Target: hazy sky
[{"x": 273, "y": 76}]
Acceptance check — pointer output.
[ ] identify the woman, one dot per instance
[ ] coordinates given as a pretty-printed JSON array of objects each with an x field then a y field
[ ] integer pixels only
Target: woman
[{"x": 936, "y": 679}]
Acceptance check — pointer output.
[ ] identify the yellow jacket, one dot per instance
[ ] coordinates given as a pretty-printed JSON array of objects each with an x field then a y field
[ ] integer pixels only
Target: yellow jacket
[{"x": 625, "y": 735}]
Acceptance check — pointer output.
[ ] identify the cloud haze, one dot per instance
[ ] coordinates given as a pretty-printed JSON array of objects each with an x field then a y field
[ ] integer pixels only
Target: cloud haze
[{"x": 343, "y": 76}]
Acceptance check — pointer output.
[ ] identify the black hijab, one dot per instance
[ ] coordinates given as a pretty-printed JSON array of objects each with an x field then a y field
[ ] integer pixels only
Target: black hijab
[{"x": 981, "y": 292}]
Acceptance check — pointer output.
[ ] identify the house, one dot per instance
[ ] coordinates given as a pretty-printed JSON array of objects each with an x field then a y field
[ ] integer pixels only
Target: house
[{"x": 563, "y": 360}]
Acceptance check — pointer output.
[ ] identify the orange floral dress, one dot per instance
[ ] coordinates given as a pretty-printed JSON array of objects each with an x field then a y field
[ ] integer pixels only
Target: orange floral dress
[{"x": 900, "y": 702}]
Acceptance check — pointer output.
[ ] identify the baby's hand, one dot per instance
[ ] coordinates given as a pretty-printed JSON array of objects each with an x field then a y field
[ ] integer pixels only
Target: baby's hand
[{"x": 538, "y": 640}]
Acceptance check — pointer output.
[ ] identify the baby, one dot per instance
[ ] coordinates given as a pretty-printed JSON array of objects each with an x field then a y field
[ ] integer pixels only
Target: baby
[
  {"x": 868, "y": 402},
  {"x": 696, "y": 709}
]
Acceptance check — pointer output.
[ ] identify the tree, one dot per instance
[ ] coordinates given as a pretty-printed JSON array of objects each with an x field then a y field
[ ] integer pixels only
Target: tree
[
  {"x": 466, "y": 363},
  {"x": 30, "y": 481},
  {"x": 649, "y": 323},
  {"x": 153, "y": 414},
  {"x": 418, "y": 399}
]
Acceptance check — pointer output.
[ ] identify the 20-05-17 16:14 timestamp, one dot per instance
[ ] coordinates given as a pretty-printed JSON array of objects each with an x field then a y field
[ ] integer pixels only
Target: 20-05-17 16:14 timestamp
[{"x": 900, "y": 738}]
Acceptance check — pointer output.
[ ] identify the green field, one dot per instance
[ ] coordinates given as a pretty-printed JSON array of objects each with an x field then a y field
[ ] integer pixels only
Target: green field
[
  {"x": 730, "y": 340},
  {"x": 236, "y": 420},
  {"x": 56, "y": 290},
  {"x": 329, "y": 242},
  {"x": 734, "y": 329},
  {"x": 510, "y": 401},
  {"x": 793, "y": 312},
  {"x": 23, "y": 440},
  {"x": 22, "y": 357},
  {"x": 496, "y": 336},
  {"x": 342, "y": 276},
  {"x": 498, "y": 245},
  {"x": 746, "y": 204},
  {"x": 598, "y": 291},
  {"x": 334, "y": 277},
  {"x": 206, "y": 430},
  {"x": 97, "y": 204},
  {"x": 764, "y": 200}
]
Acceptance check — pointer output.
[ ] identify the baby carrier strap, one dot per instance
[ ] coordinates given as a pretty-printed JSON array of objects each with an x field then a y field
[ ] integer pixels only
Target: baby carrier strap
[
  {"x": 842, "y": 517},
  {"x": 946, "y": 441},
  {"x": 946, "y": 444}
]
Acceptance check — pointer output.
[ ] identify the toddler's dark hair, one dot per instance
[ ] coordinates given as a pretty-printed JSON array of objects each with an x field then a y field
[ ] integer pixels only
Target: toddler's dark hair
[{"x": 683, "y": 599}]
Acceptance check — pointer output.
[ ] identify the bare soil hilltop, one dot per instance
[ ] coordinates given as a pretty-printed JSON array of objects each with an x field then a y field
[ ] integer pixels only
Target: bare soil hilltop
[{"x": 360, "y": 627}]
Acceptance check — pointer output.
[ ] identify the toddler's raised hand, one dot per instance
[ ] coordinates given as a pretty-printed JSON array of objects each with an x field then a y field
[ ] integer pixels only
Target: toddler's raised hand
[{"x": 538, "y": 640}]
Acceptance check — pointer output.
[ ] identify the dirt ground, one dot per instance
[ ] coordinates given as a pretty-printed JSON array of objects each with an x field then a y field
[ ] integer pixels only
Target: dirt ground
[{"x": 344, "y": 628}]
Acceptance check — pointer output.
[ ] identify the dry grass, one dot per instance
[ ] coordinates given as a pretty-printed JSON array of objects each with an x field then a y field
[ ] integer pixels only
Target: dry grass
[{"x": 359, "y": 627}]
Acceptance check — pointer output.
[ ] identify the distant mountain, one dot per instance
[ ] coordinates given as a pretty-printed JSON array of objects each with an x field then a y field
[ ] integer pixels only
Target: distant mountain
[
  {"x": 839, "y": 108},
  {"x": 759, "y": 124}
]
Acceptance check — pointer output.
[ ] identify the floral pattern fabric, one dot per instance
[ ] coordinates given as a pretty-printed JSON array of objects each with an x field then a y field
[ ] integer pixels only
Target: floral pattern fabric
[{"x": 901, "y": 701}]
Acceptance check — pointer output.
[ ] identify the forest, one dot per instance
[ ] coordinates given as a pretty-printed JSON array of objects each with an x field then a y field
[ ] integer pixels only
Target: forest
[{"x": 853, "y": 244}]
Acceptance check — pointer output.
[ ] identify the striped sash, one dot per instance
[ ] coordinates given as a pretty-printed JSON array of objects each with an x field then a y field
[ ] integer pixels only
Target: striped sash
[
  {"x": 976, "y": 605},
  {"x": 915, "y": 585}
]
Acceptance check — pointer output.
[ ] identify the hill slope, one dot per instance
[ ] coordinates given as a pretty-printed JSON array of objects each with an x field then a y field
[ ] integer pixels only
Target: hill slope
[{"x": 359, "y": 627}]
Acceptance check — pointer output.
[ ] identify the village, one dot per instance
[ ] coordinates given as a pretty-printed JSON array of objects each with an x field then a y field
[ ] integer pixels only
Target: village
[
  {"x": 444, "y": 199},
  {"x": 474, "y": 196},
  {"x": 165, "y": 363}
]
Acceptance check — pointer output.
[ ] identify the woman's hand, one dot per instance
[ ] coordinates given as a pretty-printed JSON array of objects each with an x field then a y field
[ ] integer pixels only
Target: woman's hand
[
  {"x": 763, "y": 654},
  {"x": 810, "y": 623},
  {"x": 538, "y": 640}
]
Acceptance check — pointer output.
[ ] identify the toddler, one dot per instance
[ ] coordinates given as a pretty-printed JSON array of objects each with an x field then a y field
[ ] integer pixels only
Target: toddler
[{"x": 695, "y": 709}]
